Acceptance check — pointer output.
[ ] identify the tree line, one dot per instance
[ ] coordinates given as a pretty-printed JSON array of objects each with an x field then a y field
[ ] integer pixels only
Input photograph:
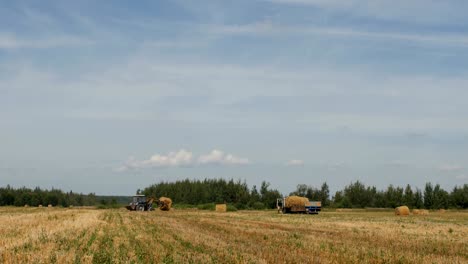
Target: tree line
[
  {"x": 240, "y": 195},
  {"x": 354, "y": 195},
  {"x": 35, "y": 197},
  {"x": 195, "y": 192},
  {"x": 358, "y": 195}
]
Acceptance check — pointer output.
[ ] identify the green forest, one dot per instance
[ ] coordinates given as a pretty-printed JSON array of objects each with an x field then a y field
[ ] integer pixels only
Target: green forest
[
  {"x": 354, "y": 195},
  {"x": 240, "y": 196}
]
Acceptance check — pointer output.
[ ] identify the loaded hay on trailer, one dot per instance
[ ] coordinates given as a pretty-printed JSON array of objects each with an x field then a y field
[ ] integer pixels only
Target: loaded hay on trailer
[
  {"x": 402, "y": 210},
  {"x": 295, "y": 201}
]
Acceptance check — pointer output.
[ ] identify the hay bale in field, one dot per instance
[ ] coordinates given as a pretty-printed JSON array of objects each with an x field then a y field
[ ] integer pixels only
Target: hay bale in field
[
  {"x": 420, "y": 212},
  {"x": 441, "y": 211},
  {"x": 402, "y": 210},
  {"x": 291, "y": 201},
  {"x": 50, "y": 206},
  {"x": 165, "y": 203},
  {"x": 40, "y": 205},
  {"x": 26, "y": 205},
  {"x": 221, "y": 208}
]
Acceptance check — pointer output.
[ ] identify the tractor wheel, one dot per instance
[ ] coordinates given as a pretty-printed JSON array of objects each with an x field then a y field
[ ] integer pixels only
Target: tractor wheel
[{"x": 141, "y": 208}]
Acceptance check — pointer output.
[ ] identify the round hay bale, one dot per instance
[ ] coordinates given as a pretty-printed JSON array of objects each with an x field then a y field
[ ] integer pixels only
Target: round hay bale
[
  {"x": 441, "y": 211},
  {"x": 221, "y": 208},
  {"x": 165, "y": 203},
  {"x": 50, "y": 206},
  {"x": 26, "y": 205},
  {"x": 402, "y": 210},
  {"x": 40, "y": 205}
]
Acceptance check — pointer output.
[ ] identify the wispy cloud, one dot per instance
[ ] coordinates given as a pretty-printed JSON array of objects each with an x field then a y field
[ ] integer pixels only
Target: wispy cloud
[
  {"x": 415, "y": 11},
  {"x": 268, "y": 28},
  {"x": 450, "y": 168},
  {"x": 10, "y": 42},
  {"x": 295, "y": 162}
]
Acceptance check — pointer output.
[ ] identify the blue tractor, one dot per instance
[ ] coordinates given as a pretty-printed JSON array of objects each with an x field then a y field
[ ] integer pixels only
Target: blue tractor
[{"x": 141, "y": 203}]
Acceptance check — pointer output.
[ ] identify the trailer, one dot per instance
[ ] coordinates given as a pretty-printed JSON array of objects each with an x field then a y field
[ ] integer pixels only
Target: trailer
[{"x": 297, "y": 204}]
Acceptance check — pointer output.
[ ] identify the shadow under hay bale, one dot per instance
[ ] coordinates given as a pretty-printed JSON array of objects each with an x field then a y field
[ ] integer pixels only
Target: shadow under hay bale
[
  {"x": 402, "y": 210},
  {"x": 221, "y": 208}
]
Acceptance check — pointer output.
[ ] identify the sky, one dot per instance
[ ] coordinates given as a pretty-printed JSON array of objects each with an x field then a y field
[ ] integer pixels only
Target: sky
[{"x": 112, "y": 96}]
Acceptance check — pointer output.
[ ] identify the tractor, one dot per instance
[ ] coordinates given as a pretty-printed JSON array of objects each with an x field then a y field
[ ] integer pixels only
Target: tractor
[{"x": 141, "y": 203}]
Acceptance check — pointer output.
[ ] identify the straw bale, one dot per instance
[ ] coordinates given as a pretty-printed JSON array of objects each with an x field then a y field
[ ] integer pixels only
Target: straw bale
[
  {"x": 40, "y": 205},
  {"x": 296, "y": 201},
  {"x": 49, "y": 206},
  {"x": 26, "y": 205},
  {"x": 441, "y": 211},
  {"x": 402, "y": 210},
  {"x": 420, "y": 212},
  {"x": 221, "y": 208},
  {"x": 165, "y": 203}
]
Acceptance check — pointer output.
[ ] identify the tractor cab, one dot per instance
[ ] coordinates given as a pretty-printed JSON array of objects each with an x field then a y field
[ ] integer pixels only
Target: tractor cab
[
  {"x": 140, "y": 203},
  {"x": 139, "y": 199}
]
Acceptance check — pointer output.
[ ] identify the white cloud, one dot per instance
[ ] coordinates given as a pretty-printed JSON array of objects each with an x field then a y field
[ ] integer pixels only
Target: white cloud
[
  {"x": 450, "y": 167},
  {"x": 172, "y": 159},
  {"x": 219, "y": 157},
  {"x": 461, "y": 177},
  {"x": 183, "y": 158},
  {"x": 295, "y": 162}
]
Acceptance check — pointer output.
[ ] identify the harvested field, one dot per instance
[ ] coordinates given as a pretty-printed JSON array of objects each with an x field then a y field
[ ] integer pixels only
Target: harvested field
[{"x": 84, "y": 235}]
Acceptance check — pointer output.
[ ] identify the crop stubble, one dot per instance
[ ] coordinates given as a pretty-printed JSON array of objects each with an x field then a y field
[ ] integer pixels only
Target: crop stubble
[{"x": 86, "y": 235}]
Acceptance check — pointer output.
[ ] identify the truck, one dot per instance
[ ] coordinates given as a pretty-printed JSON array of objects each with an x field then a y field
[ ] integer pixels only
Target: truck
[
  {"x": 141, "y": 203},
  {"x": 298, "y": 204}
]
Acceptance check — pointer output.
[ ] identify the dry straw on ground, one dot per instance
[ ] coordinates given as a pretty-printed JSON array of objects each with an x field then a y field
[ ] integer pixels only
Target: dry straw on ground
[
  {"x": 165, "y": 203},
  {"x": 221, "y": 208},
  {"x": 420, "y": 212},
  {"x": 402, "y": 210},
  {"x": 87, "y": 235}
]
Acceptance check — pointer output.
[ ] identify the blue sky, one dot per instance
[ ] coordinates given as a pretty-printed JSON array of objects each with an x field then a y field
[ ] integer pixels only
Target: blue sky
[{"x": 111, "y": 96}]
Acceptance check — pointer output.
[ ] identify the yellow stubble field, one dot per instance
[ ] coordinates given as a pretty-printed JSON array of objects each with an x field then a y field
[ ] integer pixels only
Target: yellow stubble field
[{"x": 87, "y": 235}]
